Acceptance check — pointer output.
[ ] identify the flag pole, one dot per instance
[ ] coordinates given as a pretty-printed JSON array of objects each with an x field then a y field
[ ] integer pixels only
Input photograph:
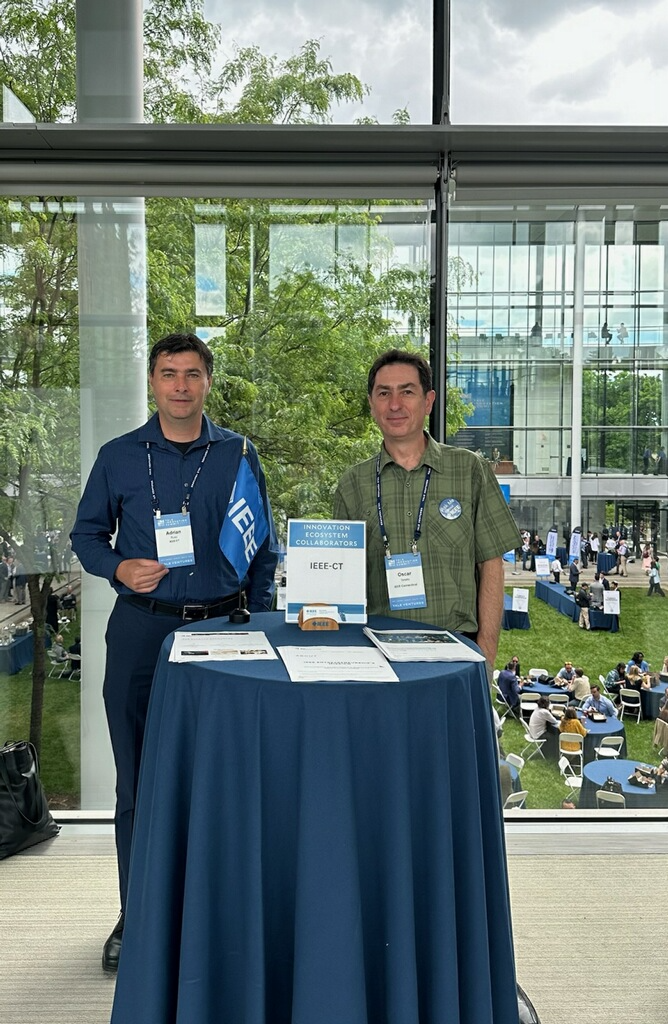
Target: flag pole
[{"x": 241, "y": 615}]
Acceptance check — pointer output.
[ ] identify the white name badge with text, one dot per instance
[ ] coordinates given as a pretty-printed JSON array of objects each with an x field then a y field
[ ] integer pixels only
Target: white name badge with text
[
  {"x": 405, "y": 581},
  {"x": 174, "y": 539}
]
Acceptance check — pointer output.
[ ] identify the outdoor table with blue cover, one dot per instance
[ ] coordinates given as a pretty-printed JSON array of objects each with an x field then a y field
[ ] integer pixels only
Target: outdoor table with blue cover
[
  {"x": 595, "y": 774},
  {"x": 17, "y": 655},
  {"x": 651, "y": 700},
  {"x": 555, "y": 595},
  {"x": 595, "y": 733},
  {"x": 605, "y": 562},
  {"x": 328, "y": 853},
  {"x": 511, "y": 619}
]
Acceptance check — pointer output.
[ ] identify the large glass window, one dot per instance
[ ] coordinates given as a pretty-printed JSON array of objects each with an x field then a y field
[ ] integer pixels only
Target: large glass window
[{"x": 295, "y": 300}]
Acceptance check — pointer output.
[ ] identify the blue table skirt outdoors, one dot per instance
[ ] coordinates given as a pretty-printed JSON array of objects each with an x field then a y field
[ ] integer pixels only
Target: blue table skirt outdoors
[
  {"x": 511, "y": 619},
  {"x": 328, "y": 853},
  {"x": 605, "y": 562},
  {"x": 595, "y": 733},
  {"x": 555, "y": 595},
  {"x": 651, "y": 700},
  {"x": 17, "y": 655},
  {"x": 595, "y": 774}
]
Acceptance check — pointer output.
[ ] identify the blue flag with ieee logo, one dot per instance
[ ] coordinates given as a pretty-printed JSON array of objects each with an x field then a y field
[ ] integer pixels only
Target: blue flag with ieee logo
[{"x": 245, "y": 525}]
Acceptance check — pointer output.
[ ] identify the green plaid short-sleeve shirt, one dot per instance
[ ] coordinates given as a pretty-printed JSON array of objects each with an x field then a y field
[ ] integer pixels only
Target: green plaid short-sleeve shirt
[{"x": 450, "y": 548}]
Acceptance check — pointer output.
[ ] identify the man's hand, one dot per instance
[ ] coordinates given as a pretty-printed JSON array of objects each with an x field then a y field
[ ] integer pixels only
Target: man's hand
[{"x": 140, "y": 574}]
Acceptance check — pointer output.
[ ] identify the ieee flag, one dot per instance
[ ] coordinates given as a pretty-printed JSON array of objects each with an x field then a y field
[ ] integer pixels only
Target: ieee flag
[{"x": 245, "y": 525}]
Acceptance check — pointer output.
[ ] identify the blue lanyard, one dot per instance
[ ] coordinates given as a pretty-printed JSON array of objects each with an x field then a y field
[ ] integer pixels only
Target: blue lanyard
[
  {"x": 381, "y": 520},
  {"x": 186, "y": 501}
]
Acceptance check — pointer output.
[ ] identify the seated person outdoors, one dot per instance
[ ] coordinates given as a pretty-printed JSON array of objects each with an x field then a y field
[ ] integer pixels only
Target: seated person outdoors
[
  {"x": 638, "y": 659},
  {"x": 637, "y": 680},
  {"x": 510, "y": 688},
  {"x": 514, "y": 665},
  {"x": 663, "y": 673},
  {"x": 68, "y": 601},
  {"x": 579, "y": 687},
  {"x": 58, "y": 649},
  {"x": 571, "y": 723},
  {"x": 565, "y": 675},
  {"x": 616, "y": 677},
  {"x": 540, "y": 718},
  {"x": 597, "y": 702}
]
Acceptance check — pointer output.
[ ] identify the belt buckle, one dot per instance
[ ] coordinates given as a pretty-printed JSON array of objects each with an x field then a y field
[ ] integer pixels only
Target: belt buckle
[{"x": 194, "y": 612}]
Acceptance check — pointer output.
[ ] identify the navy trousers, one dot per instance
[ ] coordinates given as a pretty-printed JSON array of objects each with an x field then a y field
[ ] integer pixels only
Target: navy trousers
[{"x": 134, "y": 638}]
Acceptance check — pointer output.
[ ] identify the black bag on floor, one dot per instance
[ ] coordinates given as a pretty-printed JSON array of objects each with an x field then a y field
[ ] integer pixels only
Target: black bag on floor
[{"x": 25, "y": 818}]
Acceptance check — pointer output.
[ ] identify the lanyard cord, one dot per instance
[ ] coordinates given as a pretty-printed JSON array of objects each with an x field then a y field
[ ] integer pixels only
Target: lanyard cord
[
  {"x": 186, "y": 501},
  {"x": 381, "y": 519}
]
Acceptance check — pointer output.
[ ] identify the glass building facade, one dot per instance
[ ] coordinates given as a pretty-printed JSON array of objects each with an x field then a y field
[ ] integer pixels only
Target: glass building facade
[{"x": 113, "y": 233}]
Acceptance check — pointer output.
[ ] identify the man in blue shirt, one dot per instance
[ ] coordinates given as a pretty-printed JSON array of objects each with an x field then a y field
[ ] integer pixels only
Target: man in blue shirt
[
  {"x": 182, "y": 466},
  {"x": 597, "y": 702}
]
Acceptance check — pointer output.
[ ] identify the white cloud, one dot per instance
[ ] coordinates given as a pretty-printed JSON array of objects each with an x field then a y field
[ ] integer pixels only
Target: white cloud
[{"x": 547, "y": 62}]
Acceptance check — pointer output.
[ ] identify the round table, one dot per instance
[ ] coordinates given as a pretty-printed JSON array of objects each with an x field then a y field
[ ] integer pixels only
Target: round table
[
  {"x": 595, "y": 774},
  {"x": 317, "y": 852},
  {"x": 595, "y": 733}
]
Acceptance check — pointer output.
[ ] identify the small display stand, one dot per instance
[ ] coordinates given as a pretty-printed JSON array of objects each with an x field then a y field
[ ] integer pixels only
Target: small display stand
[{"x": 318, "y": 616}]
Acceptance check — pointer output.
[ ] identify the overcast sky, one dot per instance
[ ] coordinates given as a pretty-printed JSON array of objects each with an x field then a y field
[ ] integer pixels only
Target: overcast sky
[{"x": 546, "y": 62}]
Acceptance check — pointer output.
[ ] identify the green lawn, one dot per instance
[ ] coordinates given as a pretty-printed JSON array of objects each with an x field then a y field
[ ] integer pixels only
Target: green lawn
[
  {"x": 552, "y": 639},
  {"x": 61, "y": 745}
]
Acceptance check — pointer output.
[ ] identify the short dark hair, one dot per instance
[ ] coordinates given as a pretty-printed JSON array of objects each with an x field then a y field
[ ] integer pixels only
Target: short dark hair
[
  {"x": 543, "y": 702},
  {"x": 173, "y": 343},
  {"x": 398, "y": 355}
]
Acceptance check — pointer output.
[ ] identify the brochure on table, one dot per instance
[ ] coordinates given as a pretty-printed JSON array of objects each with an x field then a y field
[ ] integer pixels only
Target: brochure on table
[
  {"x": 326, "y": 564},
  {"x": 337, "y": 665},
  {"x": 520, "y": 601},
  {"x": 421, "y": 645},
  {"x": 221, "y": 646},
  {"x": 611, "y": 602}
]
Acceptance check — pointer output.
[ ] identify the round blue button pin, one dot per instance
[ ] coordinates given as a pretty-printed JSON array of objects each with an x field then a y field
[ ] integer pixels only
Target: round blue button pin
[{"x": 450, "y": 508}]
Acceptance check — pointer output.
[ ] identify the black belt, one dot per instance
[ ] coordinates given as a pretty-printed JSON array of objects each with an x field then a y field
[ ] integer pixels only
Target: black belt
[{"x": 186, "y": 612}]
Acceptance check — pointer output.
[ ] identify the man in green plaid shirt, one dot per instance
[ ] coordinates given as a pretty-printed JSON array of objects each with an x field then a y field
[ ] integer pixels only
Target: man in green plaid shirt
[{"x": 437, "y": 522}]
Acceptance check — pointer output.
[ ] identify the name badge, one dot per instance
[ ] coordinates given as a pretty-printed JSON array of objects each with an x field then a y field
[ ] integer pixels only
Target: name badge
[
  {"x": 174, "y": 539},
  {"x": 405, "y": 581}
]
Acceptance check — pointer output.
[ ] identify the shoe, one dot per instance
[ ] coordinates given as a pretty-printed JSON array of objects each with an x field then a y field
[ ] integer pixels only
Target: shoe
[{"x": 112, "y": 948}]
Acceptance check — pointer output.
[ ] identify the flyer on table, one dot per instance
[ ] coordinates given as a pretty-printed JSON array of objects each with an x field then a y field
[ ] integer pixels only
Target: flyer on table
[{"x": 326, "y": 564}]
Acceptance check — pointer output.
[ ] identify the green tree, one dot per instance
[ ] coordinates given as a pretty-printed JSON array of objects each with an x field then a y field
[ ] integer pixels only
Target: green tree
[{"x": 293, "y": 338}]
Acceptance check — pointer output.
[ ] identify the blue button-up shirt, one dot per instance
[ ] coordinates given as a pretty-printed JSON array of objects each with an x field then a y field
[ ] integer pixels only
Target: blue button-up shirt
[
  {"x": 117, "y": 497},
  {"x": 602, "y": 705}
]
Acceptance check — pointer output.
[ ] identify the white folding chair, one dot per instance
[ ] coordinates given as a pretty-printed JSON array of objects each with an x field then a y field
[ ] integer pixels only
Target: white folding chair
[
  {"x": 516, "y": 761},
  {"x": 516, "y": 800},
  {"x": 575, "y": 757},
  {"x": 605, "y": 799},
  {"x": 536, "y": 673},
  {"x": 604, "y": 688},
  {"x": 572, "y": 780},
  {"x": 503, "y": 707},
  {"x": 58, "y": 665},
  {"x": 534, "y": 745},
  {"x": 559, "y": 698},
  {"x": 528, "y": 703},
  {"x": 630, "y": 701},
  {"x": 610, "y": 746}
]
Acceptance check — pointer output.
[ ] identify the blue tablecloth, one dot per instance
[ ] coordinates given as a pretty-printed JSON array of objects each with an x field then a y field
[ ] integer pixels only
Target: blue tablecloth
[
  {"x": 555, "y": 595},
  {"x": 651, "y": 700},
  {"x": 322, "y": 853},
  {"x": 595, "y": 733},
  {"x": 605, "y": 562},
  {"x": 511, "y": 619},
  {"x": 17, "y": 655},
  {"x": 562, "y": 555},
  {"x": 595, "y": 774}
]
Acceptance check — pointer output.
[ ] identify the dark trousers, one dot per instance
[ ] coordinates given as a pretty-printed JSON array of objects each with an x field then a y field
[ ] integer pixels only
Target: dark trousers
[{"x": 134, "y": 638}]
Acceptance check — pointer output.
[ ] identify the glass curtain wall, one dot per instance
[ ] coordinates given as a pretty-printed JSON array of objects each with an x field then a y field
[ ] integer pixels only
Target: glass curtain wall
[
  {"x": 511, "y": 353},
  {"x": 295, "y": 299}
]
